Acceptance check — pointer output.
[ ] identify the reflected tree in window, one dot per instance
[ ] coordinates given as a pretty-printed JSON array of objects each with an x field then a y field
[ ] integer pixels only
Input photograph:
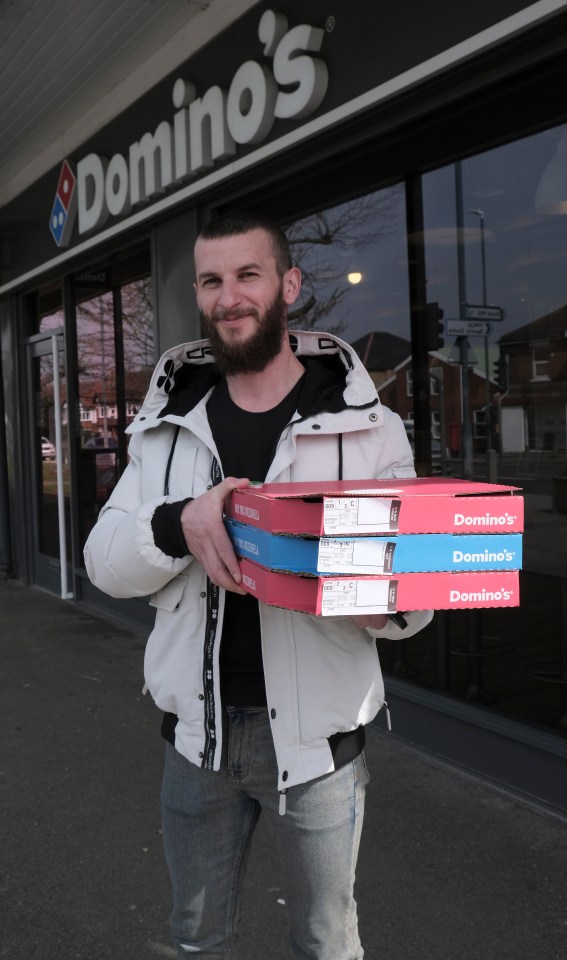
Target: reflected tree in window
[
  {"x": 329, "y": 245},
  {"x": 116, "y": 354}
]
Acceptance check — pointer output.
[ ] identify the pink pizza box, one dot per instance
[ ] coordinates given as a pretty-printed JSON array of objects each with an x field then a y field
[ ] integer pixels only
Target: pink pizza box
[
  {"x": 360, "y": 507},
  {"x": 354, "y": 596}
]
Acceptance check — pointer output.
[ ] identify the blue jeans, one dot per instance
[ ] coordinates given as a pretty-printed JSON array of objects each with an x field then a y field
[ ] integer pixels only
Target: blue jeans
[{"x": 208, "y": 823}]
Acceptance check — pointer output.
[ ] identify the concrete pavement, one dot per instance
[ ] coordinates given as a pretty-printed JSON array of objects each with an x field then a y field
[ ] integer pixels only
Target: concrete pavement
[{"x": 451, "y": 868}]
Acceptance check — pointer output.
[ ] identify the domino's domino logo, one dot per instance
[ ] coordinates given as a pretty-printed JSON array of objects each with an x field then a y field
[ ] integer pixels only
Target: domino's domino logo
[{"x": 64, "y": 212}]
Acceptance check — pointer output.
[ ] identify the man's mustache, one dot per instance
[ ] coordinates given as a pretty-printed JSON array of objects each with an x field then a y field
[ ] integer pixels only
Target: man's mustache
[{"x": 234, "y": 314}]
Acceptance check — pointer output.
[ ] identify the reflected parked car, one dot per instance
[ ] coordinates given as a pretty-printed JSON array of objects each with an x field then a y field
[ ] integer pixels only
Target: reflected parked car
[
  {"x": 47, "y": 449},
  {"x": 439, "y": 464},
  {"x": 99, "y": 443}
]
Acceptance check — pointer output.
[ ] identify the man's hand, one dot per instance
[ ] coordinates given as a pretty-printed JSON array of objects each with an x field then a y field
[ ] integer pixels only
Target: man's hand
[
  {"x": 376, "y": 621},
  {"x": 206, "y": 536}
]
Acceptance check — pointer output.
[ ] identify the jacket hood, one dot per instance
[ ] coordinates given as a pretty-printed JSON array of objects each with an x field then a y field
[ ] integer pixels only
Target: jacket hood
[{"x": 335, "y": 379}]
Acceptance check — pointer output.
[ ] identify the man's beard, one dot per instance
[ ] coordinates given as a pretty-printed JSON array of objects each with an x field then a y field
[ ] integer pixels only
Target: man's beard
[{"x": 255, "y": 353}]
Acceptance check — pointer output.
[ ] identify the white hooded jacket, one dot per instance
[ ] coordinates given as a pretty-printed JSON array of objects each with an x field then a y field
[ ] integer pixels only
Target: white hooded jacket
[{"x": 322, "y": 675}]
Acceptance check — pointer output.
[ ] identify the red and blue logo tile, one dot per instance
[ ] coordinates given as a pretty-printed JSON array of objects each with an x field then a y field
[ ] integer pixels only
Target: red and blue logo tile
[{"x": 64, "y": 212}]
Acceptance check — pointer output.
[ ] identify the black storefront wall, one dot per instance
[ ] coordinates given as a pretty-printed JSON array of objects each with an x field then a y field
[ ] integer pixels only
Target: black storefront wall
[{"x": 364, "y": 47}]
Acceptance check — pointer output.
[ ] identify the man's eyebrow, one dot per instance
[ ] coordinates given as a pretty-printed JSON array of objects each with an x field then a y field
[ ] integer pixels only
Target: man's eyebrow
[
  {"x": 206, "y": 274},
  {"x": 250, "y": 266}
]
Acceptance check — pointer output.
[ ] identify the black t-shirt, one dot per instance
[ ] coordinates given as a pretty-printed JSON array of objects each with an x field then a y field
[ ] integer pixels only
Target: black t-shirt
[{"x": 246, "y": 443}]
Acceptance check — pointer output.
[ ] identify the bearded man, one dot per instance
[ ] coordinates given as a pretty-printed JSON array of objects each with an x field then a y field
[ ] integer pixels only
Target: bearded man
[{"x": 263, "y": 708}]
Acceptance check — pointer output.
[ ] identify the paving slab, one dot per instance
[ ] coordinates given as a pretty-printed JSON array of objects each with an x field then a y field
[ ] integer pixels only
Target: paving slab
[{"x": 451, "y": 867}]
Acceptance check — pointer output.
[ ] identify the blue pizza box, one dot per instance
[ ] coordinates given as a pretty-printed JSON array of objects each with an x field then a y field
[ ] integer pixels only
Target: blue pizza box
[{"x": 404, "y": 553}]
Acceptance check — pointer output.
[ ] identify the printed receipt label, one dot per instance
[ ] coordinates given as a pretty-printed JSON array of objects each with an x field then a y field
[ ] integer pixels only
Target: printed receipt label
[
  {"x": 363, "y": 555},
  {"x": 358, "y": 596},
  {"x": 353, "y": 514}
]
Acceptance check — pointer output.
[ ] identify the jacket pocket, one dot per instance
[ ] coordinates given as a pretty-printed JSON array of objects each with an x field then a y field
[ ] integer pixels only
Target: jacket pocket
[{"x": 170, "y": 596}]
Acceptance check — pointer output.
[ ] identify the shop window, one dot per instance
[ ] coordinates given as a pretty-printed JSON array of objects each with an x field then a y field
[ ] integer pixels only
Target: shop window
[
  {"x": 49, "y": 436},
  {"x": 115, "y": 356},
  {"x": 540, "y": 360},
  {"x": 45, "y": 311},
  {"x": 479, "y": 424},
  {"x": 496, "y": 263},
  {"x": 353, "y": 260},
  {"x": 86, "y": 415},
  {"x": 436, "y": 425}
]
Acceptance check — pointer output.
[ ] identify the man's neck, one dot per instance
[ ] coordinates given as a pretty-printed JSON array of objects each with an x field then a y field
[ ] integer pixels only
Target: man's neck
[{"x": 257, "y": 392}]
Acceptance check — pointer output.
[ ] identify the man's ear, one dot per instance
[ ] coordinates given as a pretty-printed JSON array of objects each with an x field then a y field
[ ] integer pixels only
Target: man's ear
[{"x": 291, "y": 285}]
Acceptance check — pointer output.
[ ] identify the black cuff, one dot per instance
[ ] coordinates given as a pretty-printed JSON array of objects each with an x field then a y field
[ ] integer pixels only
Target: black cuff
[
  {"x": 347, "y": 746},
  {"x": 168, "y": 725},
  {"x": 166, "y": 528}
]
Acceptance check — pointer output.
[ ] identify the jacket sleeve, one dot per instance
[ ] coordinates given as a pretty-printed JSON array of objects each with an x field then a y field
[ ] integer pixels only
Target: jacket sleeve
[
  {"x": 397, "y": 462},
  {"x": 395, "y": 457},
  {"x": 122, "y": 557}
]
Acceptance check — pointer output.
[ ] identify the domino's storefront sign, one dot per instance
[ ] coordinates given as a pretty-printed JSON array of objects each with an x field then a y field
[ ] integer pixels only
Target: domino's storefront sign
[{"x": 205, "y": 130}]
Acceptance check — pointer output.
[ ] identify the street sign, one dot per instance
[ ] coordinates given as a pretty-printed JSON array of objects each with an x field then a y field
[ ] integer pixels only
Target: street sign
[
  {"x": 483, "y": 312},
  {"x": 467, "y": 328}
]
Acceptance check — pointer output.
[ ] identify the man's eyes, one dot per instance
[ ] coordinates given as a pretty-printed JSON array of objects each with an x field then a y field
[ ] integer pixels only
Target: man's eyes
[{"x": 216, "y": 281}]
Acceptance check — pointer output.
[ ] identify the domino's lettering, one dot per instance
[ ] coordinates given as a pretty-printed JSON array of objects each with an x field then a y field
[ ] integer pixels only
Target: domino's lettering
[
  {"x": 485, "y": 520},
  {"x": 479, "y": 596},
  {"x": 485, "y": 556},
  {"x": 207, "y": 129}
]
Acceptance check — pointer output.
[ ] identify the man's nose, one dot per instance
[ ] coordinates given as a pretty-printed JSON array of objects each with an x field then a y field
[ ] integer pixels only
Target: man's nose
[{"x": 229, "y": 294}]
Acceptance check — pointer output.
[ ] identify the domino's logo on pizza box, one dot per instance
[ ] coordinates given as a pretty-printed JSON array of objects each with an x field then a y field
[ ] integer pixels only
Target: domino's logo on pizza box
[{"x": 64, "y": 212}]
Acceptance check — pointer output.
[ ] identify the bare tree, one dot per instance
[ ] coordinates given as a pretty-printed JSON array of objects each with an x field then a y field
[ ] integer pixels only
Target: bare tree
[
  {"x": 320, "y": 244},
  {"x": 96, "y": 333},
  {"x": 137, "y": 324}
]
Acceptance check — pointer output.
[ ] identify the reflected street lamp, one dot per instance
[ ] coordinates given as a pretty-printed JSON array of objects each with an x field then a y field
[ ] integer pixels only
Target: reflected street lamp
[
  {"x": 480, "y": 215},
  {"x": 488, "y": 418}
]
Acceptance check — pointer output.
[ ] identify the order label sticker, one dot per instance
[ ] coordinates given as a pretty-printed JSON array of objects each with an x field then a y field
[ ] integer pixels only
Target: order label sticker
[
  {"x": 358, "y": 514},
  {"x": 361, "y": 555},
  {"x": 346, "y": 596}
]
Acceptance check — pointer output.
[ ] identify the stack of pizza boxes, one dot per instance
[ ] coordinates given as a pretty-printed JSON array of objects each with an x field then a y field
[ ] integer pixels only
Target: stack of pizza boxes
[{"x": 379, "y": 546}]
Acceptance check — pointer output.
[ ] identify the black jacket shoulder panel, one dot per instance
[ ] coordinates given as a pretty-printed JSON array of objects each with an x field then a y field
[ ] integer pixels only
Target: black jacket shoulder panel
[
  {"x": 186, "y": 386},
  {"x": 324, "y": 386}
]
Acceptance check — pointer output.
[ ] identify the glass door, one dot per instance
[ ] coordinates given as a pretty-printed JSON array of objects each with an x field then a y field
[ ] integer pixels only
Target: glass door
[
  {"x": 49, "y": 456},
  {"x": 89, "y": 358},
  {"x": 115, "y": 358}
]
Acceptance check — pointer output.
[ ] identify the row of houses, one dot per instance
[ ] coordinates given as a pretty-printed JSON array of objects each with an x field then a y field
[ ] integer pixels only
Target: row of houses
[
  {"x": 525, "y": 392},
  {"x": 526, "y": 389}
]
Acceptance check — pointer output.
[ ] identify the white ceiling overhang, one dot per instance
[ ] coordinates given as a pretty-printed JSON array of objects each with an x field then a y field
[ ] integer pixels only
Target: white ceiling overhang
[{"x": 68, "y": 67}]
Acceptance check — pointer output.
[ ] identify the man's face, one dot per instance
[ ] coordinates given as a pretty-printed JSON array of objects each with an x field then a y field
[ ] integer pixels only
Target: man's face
[{"x": 243, "y": 299}]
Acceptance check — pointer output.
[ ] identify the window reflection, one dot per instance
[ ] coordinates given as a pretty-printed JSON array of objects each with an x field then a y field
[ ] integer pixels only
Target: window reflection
[
  {"x": 115, "y": 352},
  {"x": 513, "y": 264},
  {"x": 353, "y": 260},
  {"x": 47, "y": 402},
  {"x": 486, "y": 245},
  {"x": 497, "y": 372},
  {"x": 115, "y": 345}
]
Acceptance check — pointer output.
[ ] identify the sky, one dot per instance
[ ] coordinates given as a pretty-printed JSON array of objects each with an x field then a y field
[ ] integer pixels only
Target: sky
[{"x": 524, "y": 251}]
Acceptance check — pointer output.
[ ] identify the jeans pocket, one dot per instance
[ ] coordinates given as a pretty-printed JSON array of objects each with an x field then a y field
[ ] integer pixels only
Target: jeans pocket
[{"x": 363, "y": 771}]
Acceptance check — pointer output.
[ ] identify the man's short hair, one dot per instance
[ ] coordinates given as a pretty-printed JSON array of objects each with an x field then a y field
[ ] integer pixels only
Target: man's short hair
[{"x": 234, "y": 224}]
